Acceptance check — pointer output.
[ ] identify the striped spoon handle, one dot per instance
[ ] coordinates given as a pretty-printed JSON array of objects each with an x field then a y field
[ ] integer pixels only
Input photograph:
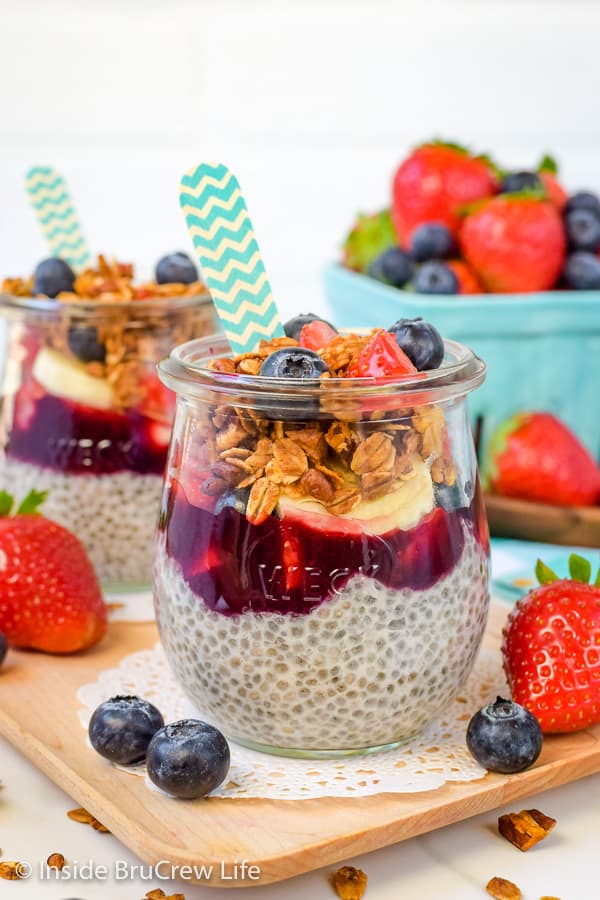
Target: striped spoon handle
[
  {"x": 226, "y": 247},
  {"x": 52, "y": 204}
]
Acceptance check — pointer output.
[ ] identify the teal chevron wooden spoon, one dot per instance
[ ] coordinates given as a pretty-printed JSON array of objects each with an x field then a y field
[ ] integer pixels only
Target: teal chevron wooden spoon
[
  {"x": 52, "y": 204},
  {"x": 232, "y": 266}
]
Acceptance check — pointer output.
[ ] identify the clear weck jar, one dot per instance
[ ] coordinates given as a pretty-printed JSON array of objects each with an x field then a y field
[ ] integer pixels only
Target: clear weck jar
[
  {"x": 84, "y": 416},
  {"x": 321, "y": 571}
]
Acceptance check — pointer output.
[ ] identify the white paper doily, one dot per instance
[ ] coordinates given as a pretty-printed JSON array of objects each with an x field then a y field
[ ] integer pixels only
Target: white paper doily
[{"x": 438, "y": 755}]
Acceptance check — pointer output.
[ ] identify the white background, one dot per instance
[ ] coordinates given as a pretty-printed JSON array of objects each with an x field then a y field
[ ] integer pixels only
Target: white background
[{"x": 311, "y": 102}]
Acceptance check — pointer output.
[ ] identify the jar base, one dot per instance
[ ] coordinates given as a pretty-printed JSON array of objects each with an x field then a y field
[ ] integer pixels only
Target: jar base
[{"x": 298, "y": 753}]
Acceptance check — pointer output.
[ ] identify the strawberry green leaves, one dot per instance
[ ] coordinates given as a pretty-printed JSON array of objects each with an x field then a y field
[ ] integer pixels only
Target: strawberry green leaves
[
  {"x": 580, "y": 569},
  {"x": 548, "y": 164},
  {"x": 369, "y": 237},
  {"x": 29, "y": 506},
  {"x": 544, "y": 573}
]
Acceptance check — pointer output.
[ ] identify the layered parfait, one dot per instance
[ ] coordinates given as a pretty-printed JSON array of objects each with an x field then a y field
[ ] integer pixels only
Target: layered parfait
[
  {"x": 83, "y": 414},
  {"x": 321, "y": 578}
]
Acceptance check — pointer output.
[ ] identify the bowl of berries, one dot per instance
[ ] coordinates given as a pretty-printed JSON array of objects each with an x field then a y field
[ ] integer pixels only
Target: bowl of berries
[{"x": 507, "y": 262}]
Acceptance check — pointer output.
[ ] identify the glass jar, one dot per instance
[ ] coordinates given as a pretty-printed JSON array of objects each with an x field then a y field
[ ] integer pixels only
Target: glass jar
[
  {"x": 321, "y": 571},
  {"x": 84, "y": 416}
]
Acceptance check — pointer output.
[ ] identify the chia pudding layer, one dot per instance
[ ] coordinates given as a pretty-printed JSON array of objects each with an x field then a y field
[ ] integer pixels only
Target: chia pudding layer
[
  {"x": 114, "y": 515},
  {"x": 370, "y": 666}
]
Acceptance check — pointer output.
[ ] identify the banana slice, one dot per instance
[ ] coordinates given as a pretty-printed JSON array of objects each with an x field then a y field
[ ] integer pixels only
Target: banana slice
[
  {"x": 70, "y": 379},
  {"x": 402, "y": 508}
]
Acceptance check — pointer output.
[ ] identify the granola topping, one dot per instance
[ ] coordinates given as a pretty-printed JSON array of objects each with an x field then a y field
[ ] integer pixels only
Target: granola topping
[
  {"x": 526, "y": 828},
  {"x": 86, "y": 818},
  {"x": 128, "y": 341},
  {"x": 503, "y": 889},
  {"x": 338, "y": 461},
  {"x": 12, "y": 871},
  {"x": 264, "y": 496},
  {"x": 109, "y": 282},
  {"x": 349, "y": 883}
]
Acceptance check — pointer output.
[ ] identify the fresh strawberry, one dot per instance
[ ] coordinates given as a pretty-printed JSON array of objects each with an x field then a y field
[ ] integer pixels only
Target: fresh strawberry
[
  {"x": 50, "y": 599},
  {"x": 316, "y": 334},
  {"x": 435, "y": 183},
  {"x": 534, "y": 456},
  {"x": 551, "y": 649},
  {"x": 368, "y": 238},
  {"x": 468, "y": 283},
  {"x": 548, "y": 172},
  {"x": 514, "y": 243},
  {"x": 381, "y": 357}
]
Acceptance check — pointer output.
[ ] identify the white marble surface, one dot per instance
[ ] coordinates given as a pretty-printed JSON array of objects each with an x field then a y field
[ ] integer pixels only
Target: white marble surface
[{"x": 453, "y": 863}]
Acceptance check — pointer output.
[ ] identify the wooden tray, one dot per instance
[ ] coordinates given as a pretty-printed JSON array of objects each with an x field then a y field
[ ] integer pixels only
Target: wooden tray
[
  {"x": 575, "y": 526},
  {"x": 38, "y": 714}
]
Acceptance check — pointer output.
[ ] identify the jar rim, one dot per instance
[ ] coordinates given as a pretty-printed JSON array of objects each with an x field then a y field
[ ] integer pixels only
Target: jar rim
[
  {"x": 91, "y": 307},
  {"x": 185, "y": 371}
]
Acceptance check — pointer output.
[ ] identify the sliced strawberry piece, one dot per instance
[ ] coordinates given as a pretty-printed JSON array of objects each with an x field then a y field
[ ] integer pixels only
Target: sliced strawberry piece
[
  {"x": 316, "y": 335},
  {"x": 292, "y": 559},
  {"x": 381, "y": 357}
]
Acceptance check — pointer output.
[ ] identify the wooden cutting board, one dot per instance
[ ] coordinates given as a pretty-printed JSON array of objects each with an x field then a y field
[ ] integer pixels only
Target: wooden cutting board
[
  {"x": 38, "y": 714},
  {"x": 573, "y": 526}
]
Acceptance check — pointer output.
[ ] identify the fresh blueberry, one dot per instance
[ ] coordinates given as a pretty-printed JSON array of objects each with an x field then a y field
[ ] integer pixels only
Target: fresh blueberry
[
  {"x": 515, "y": 182},
  {"x": 188, "y": 759},
  {"x": 3, "y": 648},
  {"x": 421, "y": 342},
  {"x": 233, "y": 499},
  {"x": 176, "y": 268},
  {"x": 299, "y": 364},
  {"x": 432, "y": 241},
  {"x": 582, "y": 271},
  {"x": 583, "y": 229},
  {"x": 582, "y": 200},
  {"x": 52, "y": 277},
  {"x": 504, "y": 737},
  {"x": 294, "y": 326},
  {"x": 121, "y": 729},
  {"x": 293, "y": 362},
  {"x": 84, "y": 344},
  {"x": 436, "y": 278},
  {"x": 394, "y": 266}
]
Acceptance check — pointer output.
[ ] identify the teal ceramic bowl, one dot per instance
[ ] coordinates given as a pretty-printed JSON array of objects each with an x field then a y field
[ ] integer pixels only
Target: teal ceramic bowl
[{"x": 542, "y": 350}]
